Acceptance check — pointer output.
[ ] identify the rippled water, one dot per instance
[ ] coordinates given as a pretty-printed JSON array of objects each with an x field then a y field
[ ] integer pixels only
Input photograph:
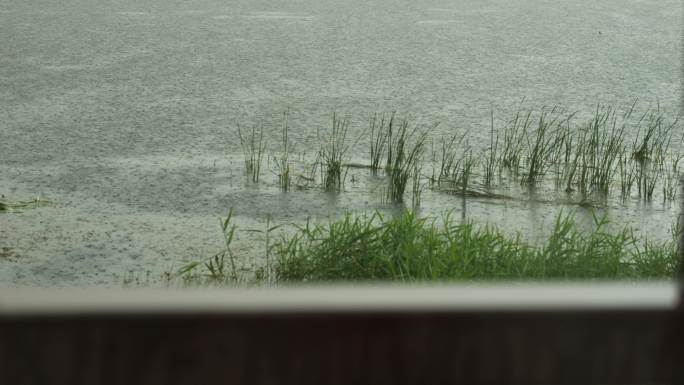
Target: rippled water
[{"x": 124, "y": 113}]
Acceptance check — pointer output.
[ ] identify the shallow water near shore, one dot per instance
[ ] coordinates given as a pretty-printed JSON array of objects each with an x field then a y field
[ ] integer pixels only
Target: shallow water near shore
[{"x": 124, "y": 114}]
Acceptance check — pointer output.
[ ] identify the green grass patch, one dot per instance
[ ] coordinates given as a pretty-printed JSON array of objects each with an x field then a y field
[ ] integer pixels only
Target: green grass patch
[{"x": 410, "y": 248}]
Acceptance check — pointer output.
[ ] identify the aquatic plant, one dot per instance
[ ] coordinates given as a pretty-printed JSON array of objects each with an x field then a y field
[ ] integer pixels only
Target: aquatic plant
[
  {"x": 463, "y": 177},
  {"x": 600, "y": 155},
  {"x": 671, "y": 176},
  {"x": 265, "y": 273},
  {"x": 253, "y": 147},
  {"x": 222, "y": 267},
  {"x": 283, "y": 162},
  {"x": 491, "y": 160},
  {"x": 410, "y": 248},
  {"x": 417, "y": 187},
  {"x": 332, "y": 154},
  {"x": 647, "y": 177},
  {"x": 311, "y": 170},
  {"x": 18, "y": 206},
  {"x": 627, "y": 170},
  {"x": 541, "y": 144},
  {"x": 515, "y": 133},
  {"x": 602, "y": 149},
  {"x": 449, "y": 164},
  {"x": 570, "y": 169},
  {"x": 406, "y": 158},
  {"x": 592, "y": 157},
  {"x": 378, "y": 140},
  {"x": 214, "y": 268},
  {"x": 656, "y": 135}
]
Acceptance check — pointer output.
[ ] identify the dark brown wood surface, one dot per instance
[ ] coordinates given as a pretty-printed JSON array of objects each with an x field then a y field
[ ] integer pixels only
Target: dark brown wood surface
[{"x": 513, "y": 347}]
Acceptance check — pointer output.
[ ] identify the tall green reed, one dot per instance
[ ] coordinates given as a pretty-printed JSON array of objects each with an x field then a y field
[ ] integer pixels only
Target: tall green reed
[
  {"x": 282, "y": 162},
  {"x": 407, "y": 150},
  {"x": 332, "y": 154},
  {"x": 253, "y": 146},
  {"x": 492, "y": 159},
  {"x": 541, "y": 145},
  {"x": 379, "y": 132}
]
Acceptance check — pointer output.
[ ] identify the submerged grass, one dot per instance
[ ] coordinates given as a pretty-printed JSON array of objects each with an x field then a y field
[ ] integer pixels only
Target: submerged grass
[
  {"x": 450, "y": 162},
  {"x": 410, "y": 248},
  {"x": 417, "y": 187},
  {"x": 332, "y": 154},
  {"x": 672, "y": 172},
  {"x": 253, "y": 146},
  {"x": 592, "y": 158},
  {"x": 18, "y": 206},
  {"x": 599, "y": 151},
  {"x": 491, "y": 159},
  {"x": 514, "y": 136},
  {"x": 542, "y": 144},
  {"x": 378, "y": 140},
  {"x": 407, "y": 151},
  {"x": 282, "y": 162},
  {"x": 648, "y": 174},
  {"x": 627, "y": 172},
  {"x": 655, "y": 137}
]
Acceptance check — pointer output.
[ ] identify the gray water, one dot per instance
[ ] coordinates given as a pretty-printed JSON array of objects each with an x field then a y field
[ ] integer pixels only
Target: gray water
[{"x": 124, "y": 113}]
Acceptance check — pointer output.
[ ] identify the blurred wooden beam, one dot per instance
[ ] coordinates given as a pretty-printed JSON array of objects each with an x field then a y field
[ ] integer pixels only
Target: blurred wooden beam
[{"x": 517, "y": 334}]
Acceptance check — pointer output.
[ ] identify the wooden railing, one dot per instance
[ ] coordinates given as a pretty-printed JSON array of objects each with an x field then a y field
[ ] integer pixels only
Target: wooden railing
[{"x": 531, "y": 334}]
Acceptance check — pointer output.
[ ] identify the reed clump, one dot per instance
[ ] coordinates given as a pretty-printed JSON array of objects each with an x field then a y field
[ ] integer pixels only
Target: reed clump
[
  {"x": 627, "y": 173},
  {"x": 332, "y": 154},
  {"x": 492, "y": 158},
  {"x": 253, "y": 148},
  {"x": 672, "y": 173},
  {"x": 417, "y": 187},
  {"x": 542, "y": 143},
  {"x": 656, "y": 135},
  {"x": 593, "y": 157},
  {"x": 514, "y": 136},
  {"x": 406, "y": 151},
  {"x": 282, "y": 162},
  {"x": 379, "y": 132},
  {"x": 410, "y": 248},
  {"x": 452, "y": 154},
  {"x": 599, "y": 152}
]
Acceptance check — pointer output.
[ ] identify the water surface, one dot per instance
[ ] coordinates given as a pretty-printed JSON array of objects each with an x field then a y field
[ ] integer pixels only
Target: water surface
[{"x": 124, "y": 113}]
